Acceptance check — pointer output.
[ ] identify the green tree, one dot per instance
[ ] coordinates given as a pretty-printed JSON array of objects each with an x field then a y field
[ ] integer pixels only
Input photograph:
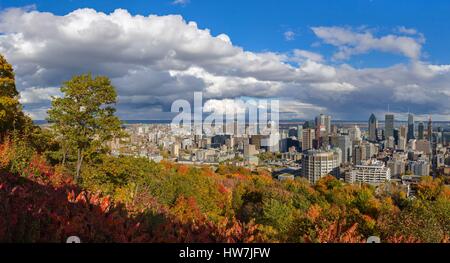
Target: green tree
[
  {"x": 278, "y": 215},
  {"x": 11, "y": 115},
  {"x": 84, "y": 117}
]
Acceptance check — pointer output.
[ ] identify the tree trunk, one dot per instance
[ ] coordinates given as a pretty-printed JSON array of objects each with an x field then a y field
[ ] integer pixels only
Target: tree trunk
[{"x": 79, "y": 163}]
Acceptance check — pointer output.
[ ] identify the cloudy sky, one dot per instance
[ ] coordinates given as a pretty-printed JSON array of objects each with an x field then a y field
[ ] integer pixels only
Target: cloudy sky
[{"x": 345, "y": 59}]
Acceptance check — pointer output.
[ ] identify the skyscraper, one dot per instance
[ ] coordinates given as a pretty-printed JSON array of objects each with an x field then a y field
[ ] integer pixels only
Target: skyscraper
[
  {"x": 420, "y": 130},
  {"x": 430, "y": 129},
  {"x": 345, "y": 144},
  {"x": 373, "y": 126},
  {"x": 328, "y": 124},
  {"x": 299, "y": 133},
  {"x": 404, "y": 132},
  {"x": 307, "y": 140},
  {"x": 324, "y": 121},
  {"x": 389, "y": 126},
  {"x": 402, "y": 139},
  {"x": 323, "y": 129},
  {"x": 410, "y": 127}
]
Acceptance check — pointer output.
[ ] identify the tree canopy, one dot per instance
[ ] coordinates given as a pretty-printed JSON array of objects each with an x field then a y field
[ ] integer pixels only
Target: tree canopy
[
  {"x": 84, "y": 116},
  {"x": 11, "y": 115}
]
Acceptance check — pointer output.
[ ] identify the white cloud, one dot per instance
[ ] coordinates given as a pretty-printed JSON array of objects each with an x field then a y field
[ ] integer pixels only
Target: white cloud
[
  {"x": 38, "y": 95},
  {"x": 335, "y": 87},
  {"x": 440, "y": 69},
  {"x": 407, "y": 31},
  {"x": 181, "y": 2},
  {"x": 155, "y": 60},
  {"x": 302, "y": 55},
  {"x": 350, "y": 42}
]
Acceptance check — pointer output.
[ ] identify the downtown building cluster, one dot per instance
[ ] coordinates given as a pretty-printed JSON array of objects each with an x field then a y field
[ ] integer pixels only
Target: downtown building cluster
[{"x": 372, "y": 153}]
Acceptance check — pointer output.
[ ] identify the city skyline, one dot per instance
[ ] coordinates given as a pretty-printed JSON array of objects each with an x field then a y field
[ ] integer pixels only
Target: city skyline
[{"x": 158, "y": 53}]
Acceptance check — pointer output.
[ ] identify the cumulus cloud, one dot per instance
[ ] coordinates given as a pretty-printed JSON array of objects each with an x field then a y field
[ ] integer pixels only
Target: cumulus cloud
[
  {"x": 155, "y": 60},
  {"x": 350, "y": 42},
  {"x": 302, "y": 55},
  {"x": 38, "y": 95}
]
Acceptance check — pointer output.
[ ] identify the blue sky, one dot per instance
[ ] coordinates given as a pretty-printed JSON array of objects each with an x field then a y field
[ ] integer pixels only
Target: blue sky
[
  {"x": 259, "y": 25},
  {"x": 395, "y": 52}
]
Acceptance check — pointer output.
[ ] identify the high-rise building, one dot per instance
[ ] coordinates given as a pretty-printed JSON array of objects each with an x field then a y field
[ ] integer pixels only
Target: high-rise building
[
  {"x": 373, "y": 127},
  {"x": 396, "y": 136},
  {"x": 397, "y": 167},
  {"x": 419, "y": 167},
  {"x": 430, "y": 129},
  {"x": 380, "y": 134},
  {"x": 307, "y": 139},
  {"x": 397, "y": 164},
  {"x": 363, "y": 152},
  {"x": 389, "y": 142},
  {"x": 319, "y": 163},
  {"x": 357, "y": 154},
  {"x": 344, "y": 143},
  {"x": 420, "y": 131},
  {"x": 423, "y": 146},
  {"x": 323, "y": 129},
  {"x": 389, "y": 126},
  {"x": 299, "y": 133},
  {"x": 324, "y": 121},
  {"x": 404, "y": 132},
  {"x": 328, "y": 124},
  {"x": 402, "y": 143},
  {"x": 410, "y": 127},
  {"x": 372, "y": 172},
  {"x": 402, "y": 139}
]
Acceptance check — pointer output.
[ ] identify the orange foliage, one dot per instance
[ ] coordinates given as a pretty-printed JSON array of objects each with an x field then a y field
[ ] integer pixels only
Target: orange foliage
[
  {"x": 313, "y": 212},
  {"x": 337, "y": 232}
]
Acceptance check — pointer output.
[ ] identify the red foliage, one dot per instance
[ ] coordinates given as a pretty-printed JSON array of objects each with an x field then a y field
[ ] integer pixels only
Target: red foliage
[
  {"x": 5, "y": 153},
  {"x": 336, "y": 232},
  {"x": 38, "y": 167},
  {"x": 34, "y": 212},
  {"x": 182, "y": 169},
  {"x": 34, "y": 209}
]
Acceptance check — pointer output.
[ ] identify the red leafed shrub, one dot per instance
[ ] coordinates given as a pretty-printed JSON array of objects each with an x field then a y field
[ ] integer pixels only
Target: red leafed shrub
[
  {"x": 31, "y": 212},
  {"x": 36, "y": 210},
  {"x": 337, "y": 232},
  {"x": 38, "y": 167}
]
